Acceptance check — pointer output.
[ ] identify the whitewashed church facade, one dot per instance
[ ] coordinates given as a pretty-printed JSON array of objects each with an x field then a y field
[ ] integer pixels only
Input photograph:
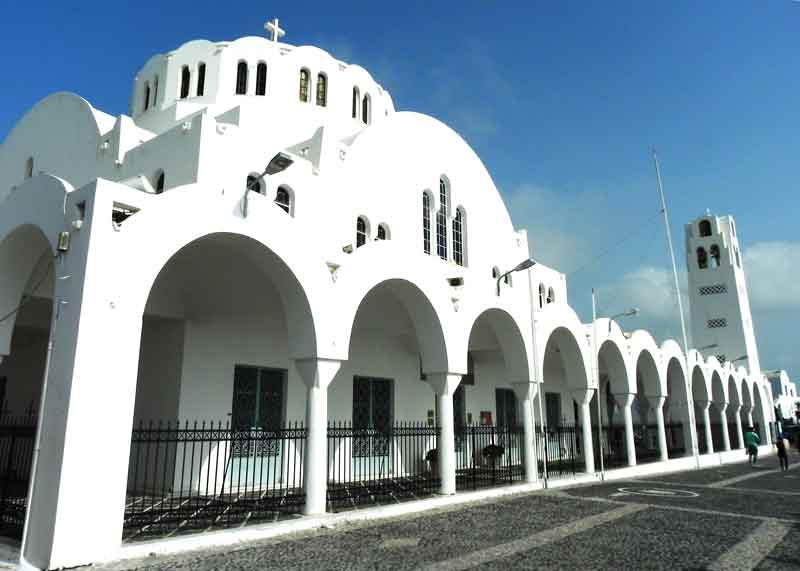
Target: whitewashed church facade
[{"x": 360, "y": 278}]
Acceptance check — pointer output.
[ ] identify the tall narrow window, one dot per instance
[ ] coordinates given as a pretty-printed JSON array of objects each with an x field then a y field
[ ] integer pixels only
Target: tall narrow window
[
  {"x": 441, "y": 221},
  {"x": 241, "y": 78},
  {"x": 458, "y": 237},
  {"x": 155, "y": 92},
  {"x": 495, "y": 273},
  {"x": 702, "y": 258},
  {"x": 29, "y": 167},
  {"x": 146, "y": 101},
  {"x": 201, "y": 79},
  {"x": 426, "y": 222},
  {"x": 304, "y": 79},
  {"x": 383, "y": 232},
  {"x": 186, "y": 77},
  {"x": 551, "y": 295},
  {"x": 361, "y": 231},
  {"x": 715, "y": 257},
  {"x": 356, "y": 101},
  {"x": 366, "y": 109},
  {"x": 705, "y": 228},
  {"x": 261, "y": 79},
  {"x": 322, "y": 90},
  {"x": 542, "y": 295},
  {"x": 283, "y": 199},
  {"x": 160, "y": 182}
]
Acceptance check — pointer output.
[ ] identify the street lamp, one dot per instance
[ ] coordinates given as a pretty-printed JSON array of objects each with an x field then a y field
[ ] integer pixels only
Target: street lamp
[
  {"x": 627, "y": 313},
  {"x": 523, "y": 265},
  {"x": 742, "y": 358},
  {"x": 278, "y": 163}
]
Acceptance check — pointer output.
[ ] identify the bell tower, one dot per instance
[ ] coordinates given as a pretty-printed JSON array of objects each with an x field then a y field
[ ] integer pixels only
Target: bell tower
[{"x": 719, "y": 306}]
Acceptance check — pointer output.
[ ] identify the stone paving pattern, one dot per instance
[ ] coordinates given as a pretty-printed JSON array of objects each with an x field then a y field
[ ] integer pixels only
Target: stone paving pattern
[{"x": 668, "y": 533}]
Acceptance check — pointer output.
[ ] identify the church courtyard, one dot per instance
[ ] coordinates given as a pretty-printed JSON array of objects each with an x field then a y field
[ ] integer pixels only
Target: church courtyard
[{"x": 729, "y": 517}]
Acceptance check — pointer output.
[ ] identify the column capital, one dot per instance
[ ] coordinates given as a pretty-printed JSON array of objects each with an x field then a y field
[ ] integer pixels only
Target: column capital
[
  {"x": 722, "y": 406},
  {"x": 737, "y": 408},
  {"x": 316, "y": 372},
  {"x": 656, "y": 401},
  {"x": 624, "y": 400},
  {"x": 703, "y": 404},
  {"x": 582, "y": 396},
  {"x": 444, "y": 384},
  {"x": 525, "y": 390}
]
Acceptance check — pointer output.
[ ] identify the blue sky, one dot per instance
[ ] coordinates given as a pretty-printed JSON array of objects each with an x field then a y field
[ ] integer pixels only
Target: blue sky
[{"x": 561, "y": 99}]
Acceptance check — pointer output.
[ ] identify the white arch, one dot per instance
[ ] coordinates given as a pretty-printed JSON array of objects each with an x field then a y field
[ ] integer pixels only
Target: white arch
[{"x": 562, "y": 319}]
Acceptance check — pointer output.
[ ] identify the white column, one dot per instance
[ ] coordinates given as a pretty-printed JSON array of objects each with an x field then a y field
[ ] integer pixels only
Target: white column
[
  {"x": 583, "y": 397},
  {"x": 750, "y": 417},
  {"x": 726, "y": 438},
  {"x": 624, "y": 401},
  {"x": 657, "y": 402},
  {"x": 317, "y": 375},
  {"x": 704, "y": 406},
  {"x": 526, "y": 392},
  {"x": 445, "y": 384},
  {"x": 738, "y": 417}
]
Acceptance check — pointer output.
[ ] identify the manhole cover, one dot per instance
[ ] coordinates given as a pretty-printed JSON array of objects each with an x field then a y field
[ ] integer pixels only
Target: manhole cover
[{"x": 656, "y": 492}]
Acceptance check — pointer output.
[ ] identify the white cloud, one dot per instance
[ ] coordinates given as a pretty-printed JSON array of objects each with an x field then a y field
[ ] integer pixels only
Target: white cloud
[{"x": 773, "y": 274}]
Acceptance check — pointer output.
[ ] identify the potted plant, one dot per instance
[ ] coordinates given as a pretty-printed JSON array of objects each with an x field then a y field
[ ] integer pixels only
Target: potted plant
[
  {"x": 492, "y": 453},
  {"x": 432, "y": 458}
]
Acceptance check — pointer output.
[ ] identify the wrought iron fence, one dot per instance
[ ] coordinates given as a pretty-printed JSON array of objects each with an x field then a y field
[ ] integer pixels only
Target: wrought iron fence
[
  {"x": 17, "y": 438},
  {"x": 733, "y": 435},
  {"x": 615, "y": 452},
  {"x": 562, "y": 447},
  {"x": 489, "y": 456},
  {"x": 206, "y": 475},
  {"x": 370, "y": 466}
]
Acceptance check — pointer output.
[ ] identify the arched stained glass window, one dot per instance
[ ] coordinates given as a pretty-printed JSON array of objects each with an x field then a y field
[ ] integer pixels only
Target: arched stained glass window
[
  {"x": 261, "y": 79},
  {"x": 284, "y": 199},
  {"x": 542, "y": 295},
  {"x": 304, "y": 81},
  {"x": 426, "y": 222},
  {"x": 241, "y": 78},
  {"x": 160, "y": 182},
  {"x": 186, "y": 77},
  {"x": 458, "y": 237},
  {"x": 441, "y": 220},
  {"x": 702, "y": 258},
  {"x": 361, "y": 231},
  {"x": 322, "y": 90},
  {"x": 201, "y": 79},
  {"x": 146, "y": 102},
  {"x": 356, "y": 101}
]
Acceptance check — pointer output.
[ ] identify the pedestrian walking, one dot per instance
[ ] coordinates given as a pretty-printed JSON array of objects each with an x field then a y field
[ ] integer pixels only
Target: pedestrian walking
[
  {"x": 751, "y": 441},
  {"x": 783, "y": 457}
]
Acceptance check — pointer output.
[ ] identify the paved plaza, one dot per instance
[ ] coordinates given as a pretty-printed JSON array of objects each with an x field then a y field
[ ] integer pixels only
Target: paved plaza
[{"x": 731, "y": 517}]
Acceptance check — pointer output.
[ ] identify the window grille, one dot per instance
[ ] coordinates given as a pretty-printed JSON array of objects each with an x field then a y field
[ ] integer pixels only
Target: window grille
[
  {"x": 382, "y": 232},
  {"x": 201, "y": 79},
  {"x": 713, "y": 289},
  {"x": 717, "y": 323},
  {"x": 322, "y": 90},
  {"x": 458, "y": 238},
  {"x": 426, "y": 223},
  {"x": 441, "y": 221},
  {"x": 304, "y": 79},
  {"x": 361, "y": 232},
  {"x": 241, "y": 78},
  {"x": 261, "y": 79}
]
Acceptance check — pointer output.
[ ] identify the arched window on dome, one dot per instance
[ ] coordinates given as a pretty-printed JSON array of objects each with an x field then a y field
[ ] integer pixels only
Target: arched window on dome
[
  {"x": 146, "y": 100},
  {"x": 495, "y": 273},
  {"x": 29, "y": 167},
  {"x": 186, "y": 77},
  {"x": 427, "y": 200},
  {"x": 508, "y": 280},
  {"x": 201, "y": 79},
  {"x": 305, "y": 79},
  {"x": 356, "y": 102},
  {"x": 322, "y": 90},
  {"x": 705, "y": 228},
  {"x": 441, "y": 219},
  {"x": 702, "y": 258},
  {"x": 261, "y": 78},
  {"x": 383, "y": 232},
  {"x": 283, "y": 198},
  {"x": 715, "y": 256},
  {"x": 459, "y": 234},
  {"x": 254, "y": 183},
  {"x": 159, "y": 181},
  {"x": 366, "y": 109},
  {"x": 241, "y": 78},
  {"x": 155, "y": 92},
  {"x": 551, "y": 295},
  {"x": 542, "y": 295},
  {"x": 362, "y": 231}
]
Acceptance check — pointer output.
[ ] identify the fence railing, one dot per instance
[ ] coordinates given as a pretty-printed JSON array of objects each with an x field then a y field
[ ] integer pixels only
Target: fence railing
[
  {"x": 17, "y": 439},
  {"x": 562, "y": 446},
  {"x": 489, "y": 456},
  {"x": 373, "y": 466},
  {"x": 186, "y": 477}
]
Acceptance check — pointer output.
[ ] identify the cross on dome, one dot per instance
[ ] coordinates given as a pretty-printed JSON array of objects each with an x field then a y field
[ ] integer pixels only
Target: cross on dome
[{"x": 274, "y": 29}]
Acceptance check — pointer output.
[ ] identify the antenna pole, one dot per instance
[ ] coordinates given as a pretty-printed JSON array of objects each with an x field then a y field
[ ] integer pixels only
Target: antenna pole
[{"x": 689, "y": 399}]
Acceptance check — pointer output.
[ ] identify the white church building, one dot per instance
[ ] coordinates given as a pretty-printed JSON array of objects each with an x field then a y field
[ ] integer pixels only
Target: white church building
[{"x": 266, "y": 292}]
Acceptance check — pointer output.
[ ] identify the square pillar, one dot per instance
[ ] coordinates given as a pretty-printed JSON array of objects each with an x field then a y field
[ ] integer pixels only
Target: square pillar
[
  {"x": 526, "y": 393},
  {"x": 444, "y": 385},
  {"x": 625, "y": 401},
  {"x": 317, "y": 375}
]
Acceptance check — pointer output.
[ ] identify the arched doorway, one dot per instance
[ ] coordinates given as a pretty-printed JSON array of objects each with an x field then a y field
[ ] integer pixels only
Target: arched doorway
[
  {"x": 27, "y": 279},
  {"x": 702, "y": 403},
  {"x": 647, "y": 408},
  {"x": 615, "y": 398},
  {"x": 218, "y": 437},
  {"x": 676, "y": 412},
  {"x": 384, "y": 445},
  {"x": 719, "y": 424},
  {"x": 567, "y": 415}
]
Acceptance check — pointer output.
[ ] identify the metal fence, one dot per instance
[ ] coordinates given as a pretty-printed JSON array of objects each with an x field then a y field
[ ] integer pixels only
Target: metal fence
[
  {"x": 562, "y": 446},
  {"x": 370, "y": 466},
  {"x": 17, "y": 438},
  {"x": 489, "y": 456},
  {"x": 200, "y": 476}
]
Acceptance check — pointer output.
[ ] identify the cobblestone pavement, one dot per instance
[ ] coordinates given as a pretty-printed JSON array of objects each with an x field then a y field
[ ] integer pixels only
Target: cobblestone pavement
[{"x": 710, "y": 519}]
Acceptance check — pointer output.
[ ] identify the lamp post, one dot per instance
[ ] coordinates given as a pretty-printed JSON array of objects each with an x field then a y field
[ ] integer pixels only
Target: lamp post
[
  {"x": 278, "y": 163},
  {"x": 596, "y": 374},
  {"x": 523, "y": 265}
]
